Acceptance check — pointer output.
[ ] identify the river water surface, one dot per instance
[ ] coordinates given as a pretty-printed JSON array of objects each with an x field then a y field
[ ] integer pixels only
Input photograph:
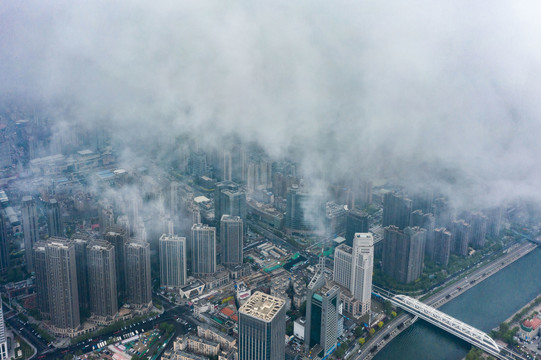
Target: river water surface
[{"x": 484, "y": 306}]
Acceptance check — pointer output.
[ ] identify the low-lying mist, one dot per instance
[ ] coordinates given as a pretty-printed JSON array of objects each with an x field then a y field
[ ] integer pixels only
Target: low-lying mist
[{"x": 425, "y": 94}]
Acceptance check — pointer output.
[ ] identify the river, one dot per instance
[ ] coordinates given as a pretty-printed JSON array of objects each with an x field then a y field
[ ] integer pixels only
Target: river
[{"x": 484, "y": 306}]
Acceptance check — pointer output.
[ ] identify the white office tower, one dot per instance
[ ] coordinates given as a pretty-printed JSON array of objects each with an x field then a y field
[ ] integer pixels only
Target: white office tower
[
  {"x": 3, "y": 337},
  {"x": 172, "y": 260},
  {"x": 353, "y": 268},
  {"x": 342, "y": 265},
  {"x": 362, "y": 268}
]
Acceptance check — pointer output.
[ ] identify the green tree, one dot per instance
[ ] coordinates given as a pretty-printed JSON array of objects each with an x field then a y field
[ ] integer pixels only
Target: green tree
[
  {"x": 302, "y": 309},
  {"x": 289, "y": 329},
  {"x": 167, "y": 327},
  {"x": 358, "y": 331},
  {"x": 474, "y": 354},
  {"x": 342, "y": 349},
  {"x": 388, "y": 307}
]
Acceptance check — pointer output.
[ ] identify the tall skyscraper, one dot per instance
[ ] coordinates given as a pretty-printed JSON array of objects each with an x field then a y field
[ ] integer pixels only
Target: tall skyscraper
[
  {"x": 227, "y": 166},
  {"x": 403, "y": 253},
  {"x": 173, "y": 199},
  {"x": 461, "y": 232},
  {"x": 427, "y": 222},
  {"x": 54, "y": 218},
  {"x": 443, "y": 212},
  {"x": 356, "y": 222},
  {"x": 335, "y": 219},
  {"x": 231, "y": 239},
  {"x": 235, "y": 203},
  {"x": 137, "y": 269},
  {"x": 80, "y": 242},
  {"x": 172, "y": 260},
  {"x": 342, "y": 265},
  {"x": 196, "y": 216},
  {"x": 198, "y": 160},
  {"x": 258, "y": 174},
  {"x": 363, "y": 194},
  {"x": 396, "y": 210},
  {"x": 494, "y": 221},
  {"x": 3, "y": 337},
  {"x": 424, "y": 201},
  {"x": 442, "y": 246},
  {"x": 62, "y": 283},
  {"x": 294, "y": 217},
  {"x": 304, "y": 211},
  {"x": 30, "y": 228},
  {"x": 102, "y": 279},
  {"x": 219, "y": 199},
  {"x": 117, "y": 235},
  {"x": 362, "y": 267},
  {"x": 203, "y": 249},
  {"x": 229, "y": 199},
  {"x": 40, "y": 268},
  {"x": 262, "y": 328},
  {"x": 479, "y": 224},
  {"x": 353, "y": 268},
  {"x": 322, "y": 309},
  {"x": 106, "y": 216},
  {"x": 4, "y": 243}
]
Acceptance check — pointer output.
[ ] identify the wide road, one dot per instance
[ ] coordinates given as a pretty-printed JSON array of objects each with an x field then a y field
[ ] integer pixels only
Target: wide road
[
  {"x": 170, "y": 314},
  {"x": 28, "y": 333},
  {"x": 383, "y": 336}
]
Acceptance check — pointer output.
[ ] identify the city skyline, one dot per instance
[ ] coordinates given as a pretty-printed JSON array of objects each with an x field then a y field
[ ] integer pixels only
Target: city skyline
[{"x": 284, "y": 180}]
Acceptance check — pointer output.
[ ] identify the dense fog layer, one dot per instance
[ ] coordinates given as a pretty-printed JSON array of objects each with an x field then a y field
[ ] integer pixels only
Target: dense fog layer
[{"x": 421, "y": 93}]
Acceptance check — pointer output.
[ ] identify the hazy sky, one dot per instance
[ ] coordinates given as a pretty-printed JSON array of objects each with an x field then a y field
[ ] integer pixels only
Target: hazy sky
[{"x": 424, "y": 92}]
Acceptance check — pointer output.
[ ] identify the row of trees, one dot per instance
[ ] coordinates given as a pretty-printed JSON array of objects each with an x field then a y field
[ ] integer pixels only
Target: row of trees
[
  {"x": 477, "y": 354},
  {"x": 505, "y": 333}
]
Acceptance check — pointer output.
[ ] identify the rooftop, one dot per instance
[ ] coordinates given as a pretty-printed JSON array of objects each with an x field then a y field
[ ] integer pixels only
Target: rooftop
[
  {"x": 85, "y": 152},
  {"x": 231, "y": 218},
  {"x": 262, "y": 306},
  {"x": 58, "y": 242},
  {"x": 227, "y": 311},
  {"x": 344, "y": 248},
  {"x": 194, "y": 284},
  {"x": 339, "y": 240},
  {"x": 203, "y": 340},
  {"x": 201, "y": 199},
  {"x": 100, "y": 245}
]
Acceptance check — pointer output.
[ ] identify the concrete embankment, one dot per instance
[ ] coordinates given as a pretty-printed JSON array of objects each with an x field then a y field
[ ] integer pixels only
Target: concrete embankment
[{"x": 457, "y": 287}]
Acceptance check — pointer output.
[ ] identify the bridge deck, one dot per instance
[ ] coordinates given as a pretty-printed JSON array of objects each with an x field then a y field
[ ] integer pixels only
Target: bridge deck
[{"x": 457, "y": 327}]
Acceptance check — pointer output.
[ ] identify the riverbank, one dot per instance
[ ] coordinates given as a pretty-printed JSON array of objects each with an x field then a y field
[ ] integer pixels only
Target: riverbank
[
  {"x": 508, "y": 329},
  {"x": 482, "y": 273},
  {"x": 524, "y": 311},
  {"x": 484, "y": 307},
  {"x": 457, "y": 287}
]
